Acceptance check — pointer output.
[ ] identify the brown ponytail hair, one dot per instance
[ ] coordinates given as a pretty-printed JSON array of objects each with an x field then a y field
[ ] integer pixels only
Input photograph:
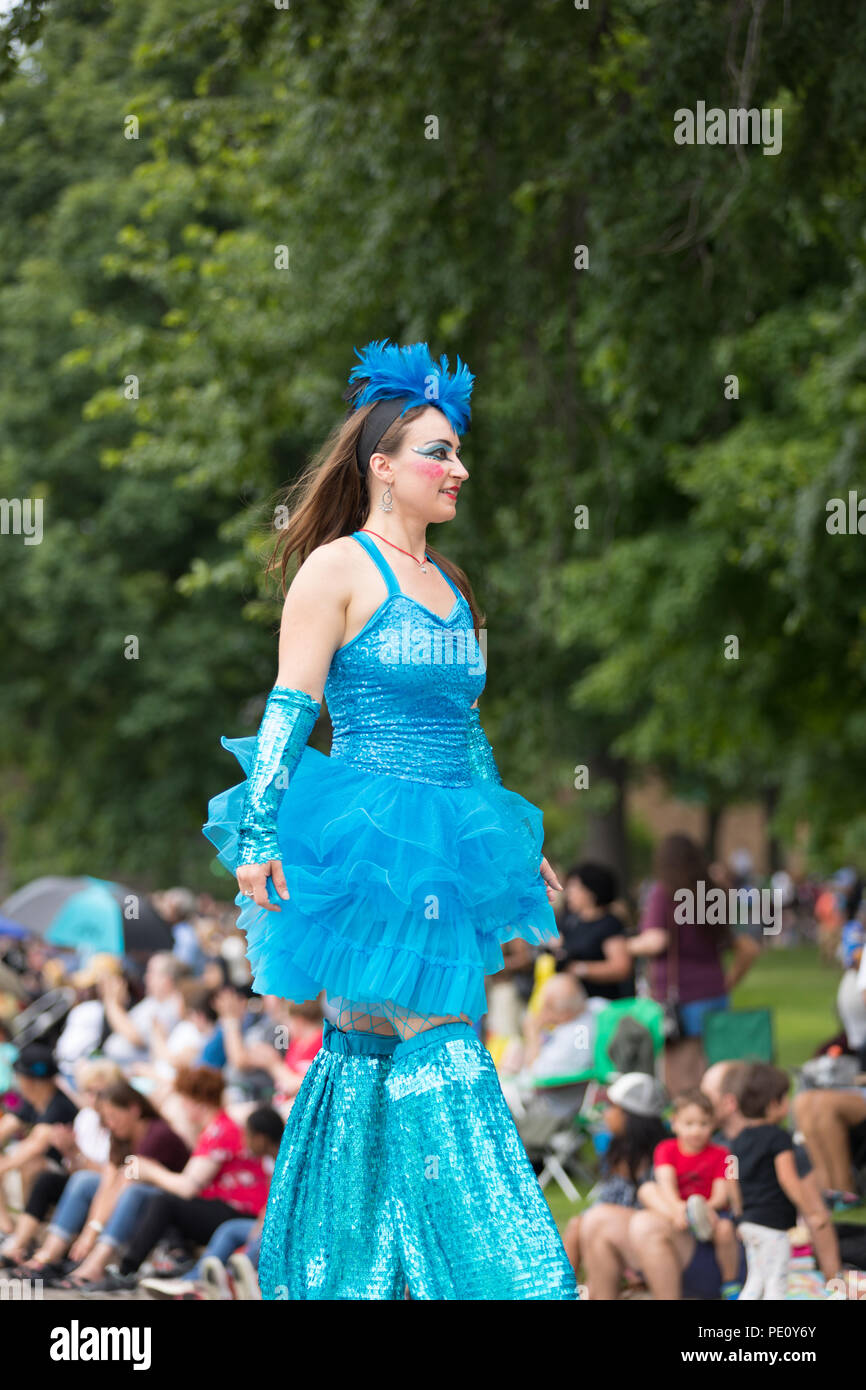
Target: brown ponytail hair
[
  {"x": 331, "y": 499},
  {"x": 125, "y": 1097}
]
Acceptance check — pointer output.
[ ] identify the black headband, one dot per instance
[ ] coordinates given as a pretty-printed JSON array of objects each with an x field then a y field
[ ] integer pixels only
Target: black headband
[{"x": 377, "y": 423}]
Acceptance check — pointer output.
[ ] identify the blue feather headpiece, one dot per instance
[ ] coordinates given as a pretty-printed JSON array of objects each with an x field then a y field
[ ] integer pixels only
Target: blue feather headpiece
[{"x": 405, "y": 377}]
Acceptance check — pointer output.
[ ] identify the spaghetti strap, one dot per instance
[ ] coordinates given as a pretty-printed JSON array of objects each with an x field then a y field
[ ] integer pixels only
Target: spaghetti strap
[
  {"x": 457, "y": 591},
  {"x": 379, "y": 560}
]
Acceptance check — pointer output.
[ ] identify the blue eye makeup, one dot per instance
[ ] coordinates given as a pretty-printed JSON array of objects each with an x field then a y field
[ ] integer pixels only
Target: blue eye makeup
[{"x": 437, "y": 449}]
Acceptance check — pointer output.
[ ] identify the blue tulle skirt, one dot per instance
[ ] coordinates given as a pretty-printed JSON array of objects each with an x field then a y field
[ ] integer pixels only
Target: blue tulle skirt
[{"x": 400, "y": 891}]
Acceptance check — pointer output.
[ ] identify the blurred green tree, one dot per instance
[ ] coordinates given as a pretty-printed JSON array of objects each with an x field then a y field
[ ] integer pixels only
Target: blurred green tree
[{"x": 206, "y": 206}]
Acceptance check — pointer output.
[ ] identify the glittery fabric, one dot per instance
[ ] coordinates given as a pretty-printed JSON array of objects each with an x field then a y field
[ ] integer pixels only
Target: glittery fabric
[
  {"x": 406, "y": 869},
  {"x": 481, "y": 759},
  {"x": 286, "y": 725},
  {"x": 399, "y": 692},
  {"x": 471, "y": 1219},
  {"x": 327, "y": 1232}
]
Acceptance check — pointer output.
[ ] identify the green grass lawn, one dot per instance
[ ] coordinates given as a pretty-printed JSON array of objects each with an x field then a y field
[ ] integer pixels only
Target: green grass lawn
[{"x": 800, "y": 988}]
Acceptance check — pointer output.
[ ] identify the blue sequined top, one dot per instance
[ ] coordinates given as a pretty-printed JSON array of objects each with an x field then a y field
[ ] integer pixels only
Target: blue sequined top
[{"x": 399, "y": 692}]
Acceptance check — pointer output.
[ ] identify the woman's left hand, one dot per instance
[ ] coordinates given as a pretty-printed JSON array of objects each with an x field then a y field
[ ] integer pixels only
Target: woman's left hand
[{"x": 551, "y": 882}]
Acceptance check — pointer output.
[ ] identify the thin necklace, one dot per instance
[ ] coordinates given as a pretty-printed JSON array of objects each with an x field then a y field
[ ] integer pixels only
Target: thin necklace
[{"x": 398, "y": 547}]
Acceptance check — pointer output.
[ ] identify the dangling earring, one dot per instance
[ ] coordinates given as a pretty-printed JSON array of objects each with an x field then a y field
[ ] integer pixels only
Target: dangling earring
[{"x": 386, "y": 499}]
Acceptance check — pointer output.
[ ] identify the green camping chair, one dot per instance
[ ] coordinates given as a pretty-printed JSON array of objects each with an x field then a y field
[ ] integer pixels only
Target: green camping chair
[
  {"x": 644, "y": 1011},
  {"x": 739, "y": 1035}
]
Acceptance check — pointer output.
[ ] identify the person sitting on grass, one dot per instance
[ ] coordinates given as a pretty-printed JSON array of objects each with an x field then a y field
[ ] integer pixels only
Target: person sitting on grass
[
  {"x": 720, "y": 1083},
  {"x": 771, "y": 1190},
  {"x": 221, "y": 1181},
  {"x": 84, "y": 1146},
  {"x": 632, "y": 1117},
  {"x": 691, "y": 1184},
  {"x": 98, "y": 1210},
  {"x": 833, "y": 1124},
  {"x": 36, "y": 1071},
  {"x": 240, "y": 1235}
]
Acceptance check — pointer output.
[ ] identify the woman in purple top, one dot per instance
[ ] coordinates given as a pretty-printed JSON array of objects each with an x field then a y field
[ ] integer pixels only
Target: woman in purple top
[{"x": 685, "y": 968}]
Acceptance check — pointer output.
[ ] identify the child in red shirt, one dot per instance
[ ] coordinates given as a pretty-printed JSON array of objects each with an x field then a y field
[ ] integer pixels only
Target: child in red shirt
[{"x": 691, "y": 1184}]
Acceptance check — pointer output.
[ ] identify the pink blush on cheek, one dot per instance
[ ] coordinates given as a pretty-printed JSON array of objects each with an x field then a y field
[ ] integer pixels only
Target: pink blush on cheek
[{"x": 429, "y": 468}]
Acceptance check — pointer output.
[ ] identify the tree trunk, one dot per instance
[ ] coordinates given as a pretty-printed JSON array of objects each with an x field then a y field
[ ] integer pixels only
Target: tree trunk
[
  {"x": 714, "y": 820},
  {"x": 606, "y": 839},
  {"x": 774, "y": 849}
]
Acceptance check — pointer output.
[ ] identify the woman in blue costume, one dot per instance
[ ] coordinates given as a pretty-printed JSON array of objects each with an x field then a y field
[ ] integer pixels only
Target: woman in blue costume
[{"x": 388, "y": 875}]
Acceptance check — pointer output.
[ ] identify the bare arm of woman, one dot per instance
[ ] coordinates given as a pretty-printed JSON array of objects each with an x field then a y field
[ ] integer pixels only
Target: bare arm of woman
[
  {"x": 652, "y": 941},
  {"x": 615, "y": 966},
  {"x": 746, "y": 952},
  {"x": 199, "y": 1171},
  {"x": 313, "y": 626}
]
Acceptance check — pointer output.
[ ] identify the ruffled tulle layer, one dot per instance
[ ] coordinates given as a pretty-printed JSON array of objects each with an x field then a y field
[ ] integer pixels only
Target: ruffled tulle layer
[{"x": 400, "y": 891}]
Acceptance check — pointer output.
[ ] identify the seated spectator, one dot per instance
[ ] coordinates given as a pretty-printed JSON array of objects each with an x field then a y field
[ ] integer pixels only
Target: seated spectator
[
  {"x": 132, "y": 1038},
  {"x": 623, "y": 1238},
  {"x": 177, "y": 907},
  {"x": 12, "y": 1107},
  {"x": 84, "y": 1149},
  {"x": 264, "y": 1132},
  {"x": 98, "y": 1211},
  {"x": 85, "y": 1026},
  {"x": 833, "y": 1125},
  {"x": 771, "y": 1192},
  {"x": 8, "y": 1053},
  {"x": 850, "y": 996},
  {"x": 221, "y": 1181},
  {"x": 251, "y": 1051},
  {"x": 184, "y": 1044},
  {"x": 719, "y": 1084},
  {"x": 691, "y": 1184},
  {"x": 559, "y": 1042},
  {"x": 50, "y": 1107},
  {"x": 593, "y": 942},
  {"x": 598, "y": 1236}
]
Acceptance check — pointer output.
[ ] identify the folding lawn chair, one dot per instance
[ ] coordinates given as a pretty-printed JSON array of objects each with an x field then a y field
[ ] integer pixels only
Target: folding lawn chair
[
  {"x": 739, "y": 1035},
  {"x": 562, "y": 1148}
]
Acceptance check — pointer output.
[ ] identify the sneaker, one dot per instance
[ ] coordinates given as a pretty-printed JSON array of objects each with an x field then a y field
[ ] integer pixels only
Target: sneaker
[
  {"x": 246, "y": 1280},
  {"x": 213, "y": 1280},
  {"x": 700, "y": 1221},
  {"x": 169, "y": 1288}
]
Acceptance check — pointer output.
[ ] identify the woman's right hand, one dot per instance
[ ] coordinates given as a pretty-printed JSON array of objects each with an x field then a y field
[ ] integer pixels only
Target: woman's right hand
[{"x": 253, "y": 883}]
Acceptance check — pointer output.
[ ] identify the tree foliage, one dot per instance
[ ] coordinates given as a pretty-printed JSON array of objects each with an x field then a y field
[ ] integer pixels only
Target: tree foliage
[{"x": 163, "y": 374}]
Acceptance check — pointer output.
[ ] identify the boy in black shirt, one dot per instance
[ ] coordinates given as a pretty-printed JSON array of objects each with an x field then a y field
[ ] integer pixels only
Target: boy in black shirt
[{"x": 770, "y": 1188}]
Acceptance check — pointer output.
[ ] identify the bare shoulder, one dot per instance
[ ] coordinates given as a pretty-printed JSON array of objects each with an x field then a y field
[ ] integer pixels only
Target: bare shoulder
[{"x": 327, "y": 570}]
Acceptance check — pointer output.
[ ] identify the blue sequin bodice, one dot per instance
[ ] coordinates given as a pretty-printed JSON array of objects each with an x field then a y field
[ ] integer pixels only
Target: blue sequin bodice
[{"x": 399, "y": 692}]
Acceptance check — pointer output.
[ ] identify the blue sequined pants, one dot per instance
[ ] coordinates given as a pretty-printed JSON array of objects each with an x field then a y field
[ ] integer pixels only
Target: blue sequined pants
[{"x": 401, "y": 1167}]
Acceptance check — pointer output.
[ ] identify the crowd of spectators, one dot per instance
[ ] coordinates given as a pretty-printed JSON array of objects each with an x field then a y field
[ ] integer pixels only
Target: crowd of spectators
[
  {"x": 139, "y": 1125},
  {"x": 140, "y": 1121}
]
